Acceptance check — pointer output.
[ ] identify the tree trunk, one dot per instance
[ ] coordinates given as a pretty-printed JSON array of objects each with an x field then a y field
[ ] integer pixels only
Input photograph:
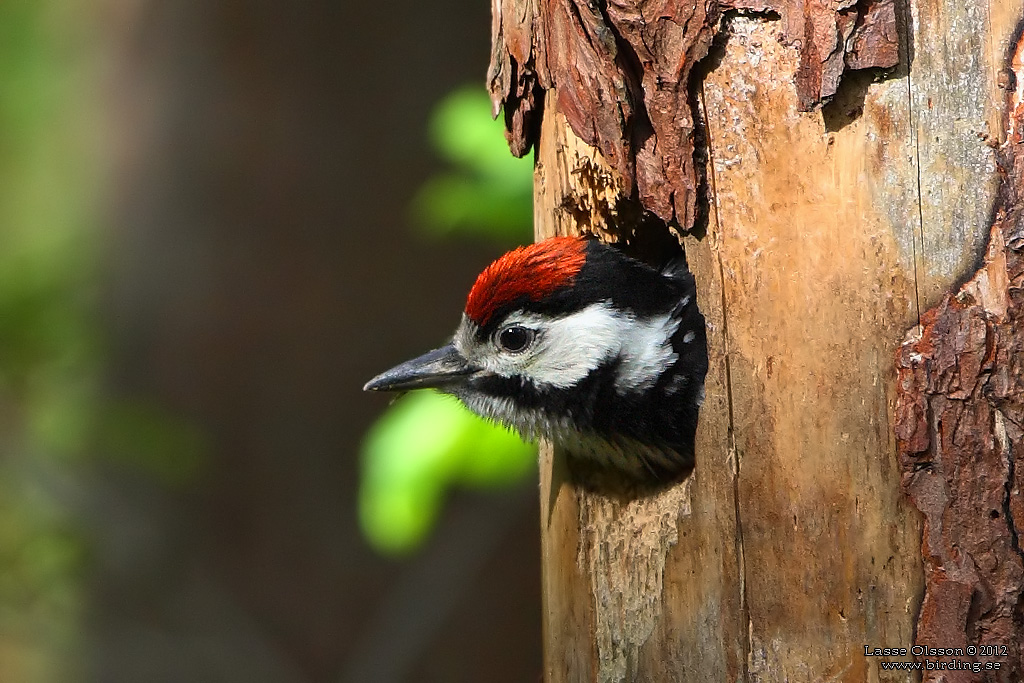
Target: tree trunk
[{"x": 826, "y": 212}]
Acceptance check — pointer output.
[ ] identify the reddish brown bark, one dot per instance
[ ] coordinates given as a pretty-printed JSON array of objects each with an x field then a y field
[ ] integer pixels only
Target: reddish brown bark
[
  {"x": 621, "y": 71},
  {"x": 831, "y": 37},
  {"x": 960, "y": 435}
]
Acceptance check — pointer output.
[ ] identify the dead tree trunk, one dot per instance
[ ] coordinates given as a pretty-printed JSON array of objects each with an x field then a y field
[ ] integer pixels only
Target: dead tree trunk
[{"x": 826, "y": 211}]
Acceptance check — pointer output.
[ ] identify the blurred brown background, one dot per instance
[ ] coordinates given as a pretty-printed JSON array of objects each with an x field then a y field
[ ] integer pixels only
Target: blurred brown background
[{"x": 257, "y": 269}]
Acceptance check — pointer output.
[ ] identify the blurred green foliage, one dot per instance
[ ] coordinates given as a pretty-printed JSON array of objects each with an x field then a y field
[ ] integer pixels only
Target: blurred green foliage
[
  {"x": 426, "y": 443},
  {"x": 488, "y": 192},
  {"x": 147, "y": 438},
  {"x": 48, "y": 341},
  {"x": 55, "y": 417}
]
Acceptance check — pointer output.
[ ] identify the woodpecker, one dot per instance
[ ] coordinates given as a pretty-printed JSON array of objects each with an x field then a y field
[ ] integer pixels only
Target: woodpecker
[{"x": 573, "y": 340}]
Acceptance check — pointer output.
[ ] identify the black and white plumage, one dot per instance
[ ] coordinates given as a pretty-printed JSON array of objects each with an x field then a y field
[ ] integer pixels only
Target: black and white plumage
[{"x": 572, "y": 340}]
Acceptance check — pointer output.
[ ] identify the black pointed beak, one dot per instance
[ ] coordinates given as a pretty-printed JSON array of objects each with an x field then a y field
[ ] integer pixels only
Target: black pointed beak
[{"x": 435, "y": 369}]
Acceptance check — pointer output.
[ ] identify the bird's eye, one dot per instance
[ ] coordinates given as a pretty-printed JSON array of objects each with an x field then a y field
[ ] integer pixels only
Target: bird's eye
[{"x": 514, "y": 339}]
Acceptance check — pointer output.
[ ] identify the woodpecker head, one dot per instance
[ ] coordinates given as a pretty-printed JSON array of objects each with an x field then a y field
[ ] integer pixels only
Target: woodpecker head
[{"x": 572, "y": 340}]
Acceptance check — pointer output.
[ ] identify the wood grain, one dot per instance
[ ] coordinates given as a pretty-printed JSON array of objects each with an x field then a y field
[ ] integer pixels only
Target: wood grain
[{"x": 817, "y": 296}]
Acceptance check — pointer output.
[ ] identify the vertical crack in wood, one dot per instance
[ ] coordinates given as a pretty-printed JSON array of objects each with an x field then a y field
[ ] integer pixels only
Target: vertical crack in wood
[
  {"x": 917, "y": 236},
  {"x": 733, "y": 454},
  {"x": 1003, "y": 441}
]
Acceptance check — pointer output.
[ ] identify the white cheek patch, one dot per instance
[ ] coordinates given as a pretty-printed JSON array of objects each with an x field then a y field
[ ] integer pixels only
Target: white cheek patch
[
  {"x": 646, "y": 352},
  {"x": 571, "y": 347}
]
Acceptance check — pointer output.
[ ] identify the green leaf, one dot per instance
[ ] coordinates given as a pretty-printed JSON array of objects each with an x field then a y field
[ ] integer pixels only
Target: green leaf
[
  {"x": 423, "y": 445},
  {"x": 466, "y": 134},
  {"x": 488, "y": 193}
]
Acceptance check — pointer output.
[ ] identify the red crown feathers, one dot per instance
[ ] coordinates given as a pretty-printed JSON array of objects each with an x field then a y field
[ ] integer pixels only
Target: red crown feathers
[{"x": 534, "y": 271}]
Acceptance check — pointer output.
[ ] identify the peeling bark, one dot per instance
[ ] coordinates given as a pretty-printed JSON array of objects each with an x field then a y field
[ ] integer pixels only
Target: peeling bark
[
  {"x": 960, "y": 435},
  {"x": 874, "y": 42},
  {"x": 621, "y": 71},
  {"x": 831, "y": 37}
]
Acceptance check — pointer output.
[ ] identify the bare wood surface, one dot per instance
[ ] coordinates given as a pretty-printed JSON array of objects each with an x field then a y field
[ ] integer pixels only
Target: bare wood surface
[
  {"x": 956, "y": 113},
  {"x": 817, "y": 296}
]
